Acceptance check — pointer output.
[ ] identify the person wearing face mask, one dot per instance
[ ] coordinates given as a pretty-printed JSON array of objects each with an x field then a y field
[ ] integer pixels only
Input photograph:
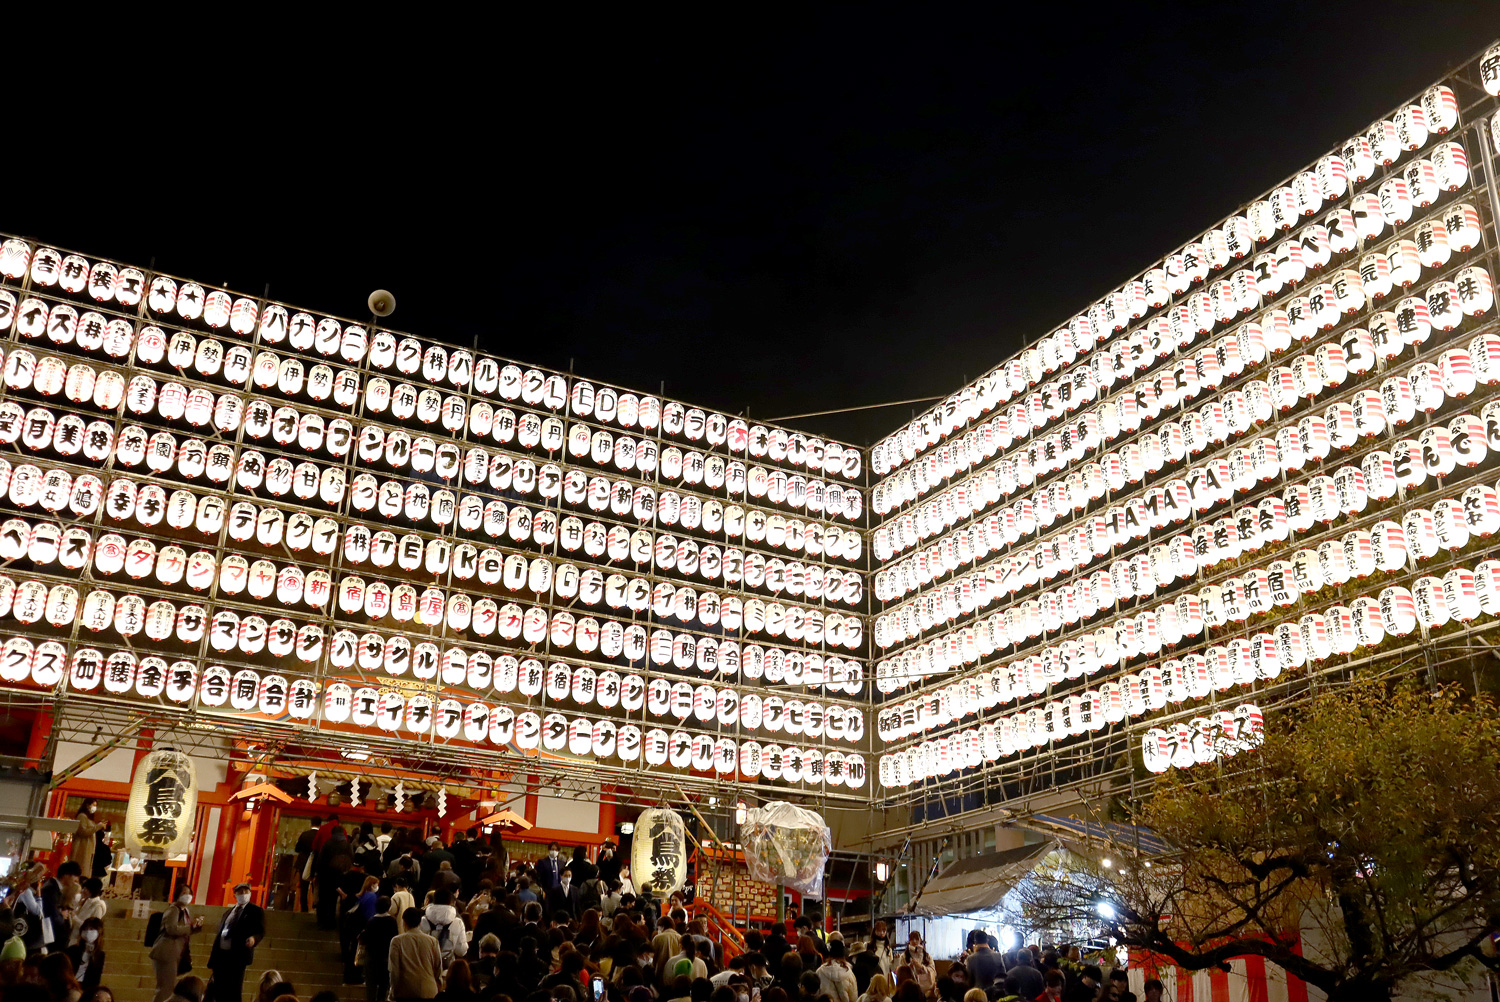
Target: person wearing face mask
[
  {"x": 82, "y": 852},
  {"x": 169, "y": 954},
  {"x": 241, "y": 928},
  {"x": 87, "y": 954},
  {"x": 91, "y": 906},
  {"x": 609, "y": 862},
  {"x": 880, "y": 946},
  {"x": 563, "y": 897},
  {"x": 549, "y": 870}
]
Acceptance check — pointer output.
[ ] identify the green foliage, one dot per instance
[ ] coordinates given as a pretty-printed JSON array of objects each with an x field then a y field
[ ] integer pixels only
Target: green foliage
[{"x": 1372, "y": 811}]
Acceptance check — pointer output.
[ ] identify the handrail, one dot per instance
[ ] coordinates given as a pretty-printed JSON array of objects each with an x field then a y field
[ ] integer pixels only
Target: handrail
[{"x": 732, "y": 941}]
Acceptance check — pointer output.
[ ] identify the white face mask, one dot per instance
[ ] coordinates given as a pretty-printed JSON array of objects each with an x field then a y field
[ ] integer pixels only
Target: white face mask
[
  {"x": 553, "y": 854},
  {"x": 92, "y": 809},
  {"x": 184, "y": 899},
  {"x": 243, "y": 898},
  {"x": 566, "y": 881},
  {"x": 89, "y": 935}
]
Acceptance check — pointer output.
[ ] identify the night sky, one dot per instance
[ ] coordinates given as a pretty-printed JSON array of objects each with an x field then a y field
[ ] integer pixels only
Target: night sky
[{"x": 771, "y": 212}]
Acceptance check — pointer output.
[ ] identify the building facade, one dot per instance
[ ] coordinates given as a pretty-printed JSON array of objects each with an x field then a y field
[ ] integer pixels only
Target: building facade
[{"x": 423, "y": 578}]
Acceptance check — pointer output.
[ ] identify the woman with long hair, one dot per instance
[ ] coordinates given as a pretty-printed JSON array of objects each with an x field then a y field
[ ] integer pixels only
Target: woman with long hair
[
  {"x": 56, "y": 971},
  {"x": 923, "y": 970},
  {"x": 460, "y": 984},
  {"x": 879, "y": 990},
  {"x": 82, "y": 852},
  {"x": 87, "y": 954}
]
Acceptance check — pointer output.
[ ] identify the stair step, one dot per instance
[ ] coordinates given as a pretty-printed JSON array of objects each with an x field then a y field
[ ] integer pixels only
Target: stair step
[
  {"x": 305, "y": 955},
  {"x": 303, "y": 980}
]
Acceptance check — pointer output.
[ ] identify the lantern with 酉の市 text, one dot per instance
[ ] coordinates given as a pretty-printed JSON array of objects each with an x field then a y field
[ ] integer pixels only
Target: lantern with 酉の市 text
[{"x": 163, "y": 800}]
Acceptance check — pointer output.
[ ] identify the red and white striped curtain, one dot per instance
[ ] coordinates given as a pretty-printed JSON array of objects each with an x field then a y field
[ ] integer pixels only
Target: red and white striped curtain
[{"x": 1249, "y": 979}]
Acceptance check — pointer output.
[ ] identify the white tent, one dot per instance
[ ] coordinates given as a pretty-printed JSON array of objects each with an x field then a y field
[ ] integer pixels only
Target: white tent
[{"x": 977, "y": 883}]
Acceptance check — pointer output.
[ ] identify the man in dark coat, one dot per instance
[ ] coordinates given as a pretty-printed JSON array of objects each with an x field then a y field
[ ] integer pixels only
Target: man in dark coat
[
  {"x": 549, "y": 868},
  {"x": 335, "y": 858},
  {"x": 584, "y": 872},
  {"x": 233, "y": 950},
  {"x": 304, "y": 850},
  {"x": 609, "y": 862},
  {"x": 433, "y": 858}
]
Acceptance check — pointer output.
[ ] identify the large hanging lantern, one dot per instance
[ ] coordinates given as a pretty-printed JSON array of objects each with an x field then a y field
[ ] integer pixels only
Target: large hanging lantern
[
  {"x": 163, "y": 800},
  {"x": 786, "y": 845},
  {"x": 658, "y": 853}
]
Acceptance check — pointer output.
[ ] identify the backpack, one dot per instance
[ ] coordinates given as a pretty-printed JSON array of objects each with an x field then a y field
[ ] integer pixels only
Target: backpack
[{"x": 153, "y": 928}]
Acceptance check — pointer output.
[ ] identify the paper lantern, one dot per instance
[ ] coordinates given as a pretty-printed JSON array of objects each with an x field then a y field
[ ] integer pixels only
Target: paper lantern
[
  {"x": 1461, "y": 221},
  {"x": 163, "y": 800},
  {"x": 659, "y": 852},
  {"x": 1476, "y": 291},
  {"x": 1398, "y": 611},
  {"x": 1489, "y": 70}
]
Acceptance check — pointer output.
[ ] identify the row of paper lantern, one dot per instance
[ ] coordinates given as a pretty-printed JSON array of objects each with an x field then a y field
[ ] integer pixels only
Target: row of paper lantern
[
  {"x": 130, "y": 615},
  {"x": 1181, "y": 745},
  {"x": 415, "y": 500},
  {"x": 247, "y": 690},
  {"x": 1337, "y": 630},
  {"x": 69, "y": 435},
  {"x": 1225, "y": 732},
  {"x": 227, "y": 413},
  {"x": 1321, "y": 498},
  {"x": 1234, "y": 239},
  {"x": 432, "y": 607},
  {"x": 1456, "y": 373},
  {"x": 1456, "y": 228},
  {"x": 454, "y": 367},
  {"x": 1437, "y": 451},
  {"x": 1144, "y": 349},
  {"x": 237, "y": 365},
  {"x": 251, "y": 635},
  {"x": 1465, "y": 596},
  {"x": 479, "y": 669},
  {"x": 149, "y": 504},
  {"x": 1411, "y": 321},
  {"x": 1448, "y": 524},
  {"x": 1270, "y": 273},
  {"x": 1424, "y": 385},
  {"x": 777, "y": 666},
  {"x": 1203, "y": 739},
  {"x": 293, "y": 585}
]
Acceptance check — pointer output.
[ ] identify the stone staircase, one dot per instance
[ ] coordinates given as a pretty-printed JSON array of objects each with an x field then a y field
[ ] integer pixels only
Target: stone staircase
[{"x": 305, "y": 955}]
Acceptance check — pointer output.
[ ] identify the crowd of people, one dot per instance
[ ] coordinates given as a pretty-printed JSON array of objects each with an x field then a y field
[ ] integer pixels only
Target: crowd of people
[
  {"x": 984, "y": 974},
  {"x": 55, "y": 952},
  {"x": 420, "y": 920}
]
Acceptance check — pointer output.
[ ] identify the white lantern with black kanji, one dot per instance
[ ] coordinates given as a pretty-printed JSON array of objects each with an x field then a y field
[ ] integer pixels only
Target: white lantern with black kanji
[{"x": 163, "y": 799}]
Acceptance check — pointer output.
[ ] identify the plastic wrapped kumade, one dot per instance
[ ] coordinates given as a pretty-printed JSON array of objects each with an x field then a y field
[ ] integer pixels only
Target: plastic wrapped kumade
[{"x": 786, "y": 845}]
